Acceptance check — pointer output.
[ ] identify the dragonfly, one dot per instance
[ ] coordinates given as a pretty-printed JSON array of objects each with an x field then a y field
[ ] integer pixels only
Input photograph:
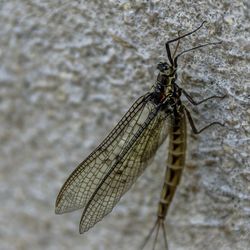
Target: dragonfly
[{"x": 99, "y": 182}]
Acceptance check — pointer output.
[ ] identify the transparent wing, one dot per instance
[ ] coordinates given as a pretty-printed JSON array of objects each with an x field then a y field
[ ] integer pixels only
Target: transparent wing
[
  {"x": 127, "y": 167},
  {"x": 84, "y": 180}
]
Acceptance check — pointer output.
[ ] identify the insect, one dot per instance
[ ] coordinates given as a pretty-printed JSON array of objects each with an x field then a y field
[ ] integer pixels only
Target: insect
[{"x": 98, "y": 183}]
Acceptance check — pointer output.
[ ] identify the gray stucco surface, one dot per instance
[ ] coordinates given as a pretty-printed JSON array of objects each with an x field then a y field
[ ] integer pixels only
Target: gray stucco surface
[{"x": 68, "y": 72}]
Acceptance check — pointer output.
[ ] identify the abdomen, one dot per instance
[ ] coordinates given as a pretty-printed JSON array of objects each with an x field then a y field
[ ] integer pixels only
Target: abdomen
[{"x": 175, "y": 161}]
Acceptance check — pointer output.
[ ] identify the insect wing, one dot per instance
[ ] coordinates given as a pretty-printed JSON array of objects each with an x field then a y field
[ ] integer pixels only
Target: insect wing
[
  {"x": 78, "y": 188},
  {"x": 138, "y": 148}
]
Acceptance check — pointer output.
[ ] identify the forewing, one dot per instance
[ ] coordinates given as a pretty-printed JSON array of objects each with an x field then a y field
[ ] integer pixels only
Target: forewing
[
  {"x": 126, "y": 169},
  {"x": 84, "y": 180}
]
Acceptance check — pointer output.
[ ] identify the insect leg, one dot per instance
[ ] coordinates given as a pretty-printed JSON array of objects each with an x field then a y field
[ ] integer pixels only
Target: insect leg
[
  {"x": 190, "y": 98},
  {"x": 194, "y": 129}
]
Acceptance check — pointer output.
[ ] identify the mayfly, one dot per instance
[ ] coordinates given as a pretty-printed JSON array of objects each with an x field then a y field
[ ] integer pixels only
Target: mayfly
[{"x": 99, "y": 182}]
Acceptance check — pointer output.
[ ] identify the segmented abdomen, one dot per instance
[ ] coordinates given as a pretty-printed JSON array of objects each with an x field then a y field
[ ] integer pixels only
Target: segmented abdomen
[{"x": 175, "y": 162}]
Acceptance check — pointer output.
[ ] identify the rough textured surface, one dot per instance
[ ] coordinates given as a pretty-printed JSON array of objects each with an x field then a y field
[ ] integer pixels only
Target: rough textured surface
[{"x": 70, "y": 69}]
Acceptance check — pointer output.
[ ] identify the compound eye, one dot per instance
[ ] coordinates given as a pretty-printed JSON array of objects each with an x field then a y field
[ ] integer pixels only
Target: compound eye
[{"x": 162, "y": 66}]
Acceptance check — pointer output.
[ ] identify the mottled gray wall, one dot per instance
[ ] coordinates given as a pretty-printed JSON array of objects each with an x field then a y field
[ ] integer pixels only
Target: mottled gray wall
[{"x": 70, "y": 69}]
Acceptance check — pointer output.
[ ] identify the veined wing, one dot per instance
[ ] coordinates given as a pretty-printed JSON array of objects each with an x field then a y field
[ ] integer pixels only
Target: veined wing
[
  {"x": 128, "y": 166},
  {"x": 83, "y": 181}
]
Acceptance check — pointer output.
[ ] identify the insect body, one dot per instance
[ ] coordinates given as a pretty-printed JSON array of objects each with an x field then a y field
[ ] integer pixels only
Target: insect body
[{"x": 98, "y": 183}]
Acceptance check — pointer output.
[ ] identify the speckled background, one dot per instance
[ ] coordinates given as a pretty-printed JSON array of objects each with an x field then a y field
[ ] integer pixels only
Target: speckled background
[{"x": 70, "y": 69}]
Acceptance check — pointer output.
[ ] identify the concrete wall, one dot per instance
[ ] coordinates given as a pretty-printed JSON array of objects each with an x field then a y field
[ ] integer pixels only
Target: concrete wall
[{"x": 68, "y": 72}]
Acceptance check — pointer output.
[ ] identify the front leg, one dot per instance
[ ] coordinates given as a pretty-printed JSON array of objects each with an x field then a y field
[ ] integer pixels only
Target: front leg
[{"x": 190, "y": 99}]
